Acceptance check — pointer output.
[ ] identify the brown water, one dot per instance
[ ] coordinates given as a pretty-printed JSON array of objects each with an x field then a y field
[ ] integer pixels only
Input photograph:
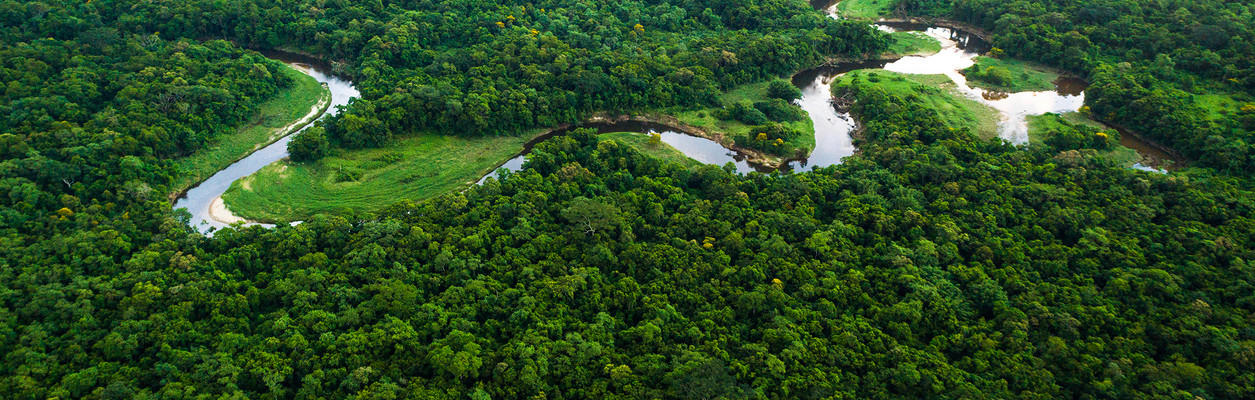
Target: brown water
[{"x": 1154, "y": 159}]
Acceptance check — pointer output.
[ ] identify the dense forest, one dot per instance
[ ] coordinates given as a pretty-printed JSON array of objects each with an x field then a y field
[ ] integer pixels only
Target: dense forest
[
  {"x": 1146, "y": 59},
  {"x": 933, "y": 264},
  {"x": 478, "y": 68}
]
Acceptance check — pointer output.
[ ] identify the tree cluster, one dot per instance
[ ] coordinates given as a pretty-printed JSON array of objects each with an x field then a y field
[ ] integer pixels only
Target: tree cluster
[{"x": 1147, "y": 60}]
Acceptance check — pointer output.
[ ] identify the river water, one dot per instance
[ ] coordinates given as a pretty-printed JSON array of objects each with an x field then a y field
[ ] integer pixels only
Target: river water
[
  {"x": 199, "y": 199},
  {"x": 833, "y": 129}
]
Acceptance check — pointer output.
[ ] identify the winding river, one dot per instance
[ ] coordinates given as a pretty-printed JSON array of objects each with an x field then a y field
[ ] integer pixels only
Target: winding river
[
  {"x": 204, "y": 201},
  {"x": 833, "y": 128}
]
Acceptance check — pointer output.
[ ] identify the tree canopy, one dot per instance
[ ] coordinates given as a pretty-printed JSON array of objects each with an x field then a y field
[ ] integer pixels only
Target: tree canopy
[{"x": 932, "y": 264}]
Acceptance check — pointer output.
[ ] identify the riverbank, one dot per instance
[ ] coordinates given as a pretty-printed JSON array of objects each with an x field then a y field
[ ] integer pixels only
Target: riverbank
[
  {"x": 724, "y": 133},
  {"x": 288, "y": 112},
  {"x": 937, "y": 92},
  {"x": 412, "y": 167},
  {"x": 219, "y": 212},
  {"x": 1174, "y": 159},
  {"x": 659, "y": 150},
  {"x": 703, "y": 123},
  {"x": 427, "y": 165},
  {"x": 862, "y": 9},
  {"x": 1009, "y": 75},
  {"x": 909, "y": 43},
  {"x": 970, "y": 29}
]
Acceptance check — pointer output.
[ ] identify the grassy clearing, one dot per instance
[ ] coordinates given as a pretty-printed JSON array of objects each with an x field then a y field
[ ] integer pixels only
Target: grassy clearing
[
  {"x": 1040, "y": 125},
  {"x": 286, "y": 107},
  {"x": 659, "y": 150},
  {"x": 1220, "y": 106},
  {"x": 705, "y": 119},
  {"x": 937, "y": 92},
  {"x": 1009, "y": 75},
  {"x": 912, "y": 44},
  {"x": 1077, "y": 118},
  {"x": 415, "y": 167},
  {"x": 864, "y": 9}
]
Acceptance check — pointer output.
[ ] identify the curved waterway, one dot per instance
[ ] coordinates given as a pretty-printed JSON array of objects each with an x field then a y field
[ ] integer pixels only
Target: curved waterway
[
  {"x": 696, "y": 147},
  {"x": 201, "y": 200},
  {"x": 833, "y": 128}
]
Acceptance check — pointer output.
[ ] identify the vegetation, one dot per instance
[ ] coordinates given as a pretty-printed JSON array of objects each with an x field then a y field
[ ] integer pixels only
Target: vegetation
[
  {"x": 911, "y": 44},
  {"x": 414, "y": 168},
  {"x": 864, "y": 9},
  {"x": 440, "y": 66},
  {"x": 935, "y": 263},
  {"x": 783, "y": 90},
  {"x": 1073, "y": 132},
  {"x": 650, "y": 145},
  {"x": 310, "y": 145},
  {"x": 1009, "y": 75},
  {"x": 1146, "y": 63},
  {"x": 273, "y": 116},
  {"x": 935, "y": 91},
  {"x": 747, "y": 115}
]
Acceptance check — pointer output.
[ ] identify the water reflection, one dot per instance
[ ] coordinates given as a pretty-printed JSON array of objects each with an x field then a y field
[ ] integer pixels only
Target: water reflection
[
  {"x": 698, "y": 148},
  {"x": 958, "y": 51},
  {"x": 834, "y": 128},
  {"x": 201, "y": 200}
]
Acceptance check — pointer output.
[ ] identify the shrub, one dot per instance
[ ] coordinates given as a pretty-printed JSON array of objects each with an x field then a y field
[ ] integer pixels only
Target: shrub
[
  {"x": 780, "y": 110},
  {"x": 783, "y": 90},
  {"x": 310, "y": 145},
  {"x": 746, "y": 113}
]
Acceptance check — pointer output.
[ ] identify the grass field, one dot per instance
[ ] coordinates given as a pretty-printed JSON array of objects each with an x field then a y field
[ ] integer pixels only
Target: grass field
[
  {"x": 938, "y": 93},
  {"x": 1039, "y": 125},
  {"x": 425, "y": 166},
  {"x": 912, "y": 44},
  {"x": 413, "y": 168},
  {"x": 864, "y": 9},
  {"x": 1219, "y": 106},
  {"x": 752, "y": 92},
  {"x": 1011, "y": 76},
  {"x": 661, "y": 151},
  {"x": 286, "y": 107}
]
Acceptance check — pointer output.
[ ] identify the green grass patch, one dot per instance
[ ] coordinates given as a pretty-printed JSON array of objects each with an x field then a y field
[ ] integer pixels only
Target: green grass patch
[
  {"x": 937, "y": 92},
  {"x": 658, "y": 150},
  {"x": 864, "y": 9},
  {"x": 705, "y": 119},
  {"x": 1009, "y": 75},
  {"x": 1040, "y": 126},
  {"x": 285, "y": 108},
  {"x": 1077, "y": 118},
  {"x": 415, "y": 167},
  {"x": 912, "y": 44},
  {"x": 1218, "y": 106}
]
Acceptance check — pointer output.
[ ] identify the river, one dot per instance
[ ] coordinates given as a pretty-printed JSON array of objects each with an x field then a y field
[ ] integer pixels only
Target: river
[
  {"x": 202, "y": 199},
  {"x": 833, "y": 129}
]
